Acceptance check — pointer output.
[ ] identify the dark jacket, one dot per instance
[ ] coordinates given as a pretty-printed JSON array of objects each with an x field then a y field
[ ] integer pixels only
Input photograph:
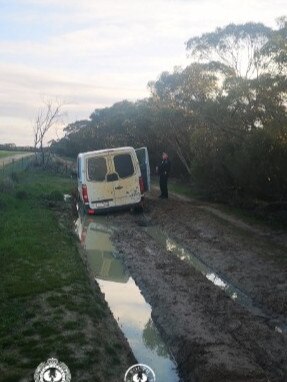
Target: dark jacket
[{"x": 164, "y": 168}]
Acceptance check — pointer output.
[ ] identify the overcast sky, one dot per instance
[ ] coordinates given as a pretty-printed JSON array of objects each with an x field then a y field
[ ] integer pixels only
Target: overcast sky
[{"x": 93, "y": 53}]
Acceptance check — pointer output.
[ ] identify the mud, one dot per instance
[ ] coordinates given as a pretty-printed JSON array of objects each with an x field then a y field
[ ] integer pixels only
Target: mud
[
  {"x": 212, "y": 337},
  {"x": 253, "y": 261},
  {"x": 123, "y": 296}
]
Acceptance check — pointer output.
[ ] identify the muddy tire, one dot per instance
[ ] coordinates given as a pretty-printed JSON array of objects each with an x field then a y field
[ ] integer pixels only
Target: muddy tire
[{"x": 138, "y": 209}]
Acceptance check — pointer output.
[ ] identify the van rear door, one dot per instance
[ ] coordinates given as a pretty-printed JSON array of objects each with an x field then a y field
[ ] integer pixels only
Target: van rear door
[
  {"x": 143, "y": 159},
  {"x": 126, "y": 186},
  {"x": 100, "y": 191}
]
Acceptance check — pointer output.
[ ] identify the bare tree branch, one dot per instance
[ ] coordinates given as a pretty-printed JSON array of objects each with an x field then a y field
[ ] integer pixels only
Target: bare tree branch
[{"x": 47, "y": 117}]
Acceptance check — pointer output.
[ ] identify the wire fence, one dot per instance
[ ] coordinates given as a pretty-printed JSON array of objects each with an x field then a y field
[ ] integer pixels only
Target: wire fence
[
  {"x": 55, "y": 165},
  {"x": 13, "y": 165},
  {"x": 62, "y": 166}
]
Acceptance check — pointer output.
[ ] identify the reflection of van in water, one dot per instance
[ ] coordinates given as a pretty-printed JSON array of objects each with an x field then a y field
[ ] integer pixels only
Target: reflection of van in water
[
  {"x": 113, "y": 178},
  {"x": 95, "y": 238}
]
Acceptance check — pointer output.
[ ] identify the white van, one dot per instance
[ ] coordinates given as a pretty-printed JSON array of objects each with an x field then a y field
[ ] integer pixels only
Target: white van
[{"x": 113, "y": 178}]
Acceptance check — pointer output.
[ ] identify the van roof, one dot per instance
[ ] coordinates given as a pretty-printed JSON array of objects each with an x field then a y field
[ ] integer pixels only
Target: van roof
[{"x": 105, "y": 151}]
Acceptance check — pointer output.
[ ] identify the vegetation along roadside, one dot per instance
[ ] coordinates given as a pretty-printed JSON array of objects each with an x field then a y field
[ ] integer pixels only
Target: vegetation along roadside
[{"x": 48, "y": 305}]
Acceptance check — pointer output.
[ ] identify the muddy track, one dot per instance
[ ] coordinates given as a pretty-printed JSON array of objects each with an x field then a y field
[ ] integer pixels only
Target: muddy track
[
  {"x": 255, "y": 263},
  {"x": 212, "y": 337}
]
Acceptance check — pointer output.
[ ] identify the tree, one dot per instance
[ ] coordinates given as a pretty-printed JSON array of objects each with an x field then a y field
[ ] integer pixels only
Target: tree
[
  {"x": 222, "y": 119},
  {"x": 152, "y": 339},
  {"x": 236, "y": 46},
  {"x": 176, "y": 105},
  {"x": 46, "y": 118},
  {"x": 276, "y": 47}
]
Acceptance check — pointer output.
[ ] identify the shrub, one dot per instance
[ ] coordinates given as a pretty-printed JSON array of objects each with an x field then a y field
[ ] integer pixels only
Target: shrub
[{"x": 249, "y": 165}]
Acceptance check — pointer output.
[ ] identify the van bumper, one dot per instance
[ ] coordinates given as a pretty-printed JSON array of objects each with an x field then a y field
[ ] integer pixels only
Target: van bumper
[{"x": 105, "y": 210}]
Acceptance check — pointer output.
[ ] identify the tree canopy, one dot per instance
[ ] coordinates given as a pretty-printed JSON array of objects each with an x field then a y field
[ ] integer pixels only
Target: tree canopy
[{"x": 222, "y": 118}]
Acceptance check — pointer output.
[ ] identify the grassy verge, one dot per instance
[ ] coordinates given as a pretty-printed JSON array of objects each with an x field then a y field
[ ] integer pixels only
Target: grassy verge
[
  {"x": 15, "y": 166},
  {"x": 48, "y": 305},
  {"x": 274, "y": 219},
  {"x": 178, "y": 187},
  {"x": 4, "y": 154},
  {"x": 183, "y": 189}
]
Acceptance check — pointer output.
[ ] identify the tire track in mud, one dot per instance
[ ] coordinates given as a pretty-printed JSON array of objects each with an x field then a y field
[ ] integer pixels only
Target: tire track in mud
[
  {"x": 218, "y": 279},
  {"x": 277, "y": 236},
  {"x": 211, "y": 337},
  {"x": 253, "y": 263}
]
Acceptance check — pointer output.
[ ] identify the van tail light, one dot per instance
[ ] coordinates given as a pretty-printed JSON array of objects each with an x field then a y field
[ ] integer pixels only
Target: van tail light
[
  {"x": 91, "y": 212},
  {"x": 85, "y": 193},
  {"x": 141, "y": 184}
]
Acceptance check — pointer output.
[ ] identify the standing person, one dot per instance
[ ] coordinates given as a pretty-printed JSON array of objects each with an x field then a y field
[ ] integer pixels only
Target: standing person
[{"x": 163, "y": 172}]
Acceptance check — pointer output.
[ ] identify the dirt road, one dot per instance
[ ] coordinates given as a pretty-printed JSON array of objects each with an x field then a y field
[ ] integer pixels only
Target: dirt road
[
  {"x": 6, "y": 160},
  {"x": 212, "y": 336}
]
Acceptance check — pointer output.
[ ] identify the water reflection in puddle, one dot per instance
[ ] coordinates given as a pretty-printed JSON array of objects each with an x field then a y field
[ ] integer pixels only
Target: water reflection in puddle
[
  {"x": 124, "y": 298},
  {"x": 231, "y": 290},
  {"x": 279, "y": 325}
]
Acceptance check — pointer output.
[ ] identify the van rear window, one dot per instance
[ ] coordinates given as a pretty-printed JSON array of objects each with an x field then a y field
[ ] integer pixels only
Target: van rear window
[
  {"x": 97, "y": 169},
  {"x": 124, "y": 165}
]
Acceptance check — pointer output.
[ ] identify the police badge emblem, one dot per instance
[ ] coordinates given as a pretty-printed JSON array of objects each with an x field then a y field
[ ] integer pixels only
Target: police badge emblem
[
  {"x": 140, "y": 373},
  {"x": 52, "y": 371}
]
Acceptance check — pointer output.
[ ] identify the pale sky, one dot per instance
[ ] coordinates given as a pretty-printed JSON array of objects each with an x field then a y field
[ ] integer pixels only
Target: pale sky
[{"x": 92, "y": 53}]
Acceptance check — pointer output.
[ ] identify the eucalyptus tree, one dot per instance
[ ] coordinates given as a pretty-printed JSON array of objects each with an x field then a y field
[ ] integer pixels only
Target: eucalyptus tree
[
  {"x": 275, "y": 50},
  {"x": 177, "y": 102},
  {"x": 238, "y": 47}
]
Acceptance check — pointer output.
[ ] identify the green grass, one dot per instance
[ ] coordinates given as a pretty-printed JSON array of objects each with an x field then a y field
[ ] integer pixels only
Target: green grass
[
  {"x": 183, "y": 189},
  {"x": 4, "y": 154},
  {"x": 179, "y": 187},
  {"x": 15, "y": 166},
  {"x": 249, "y": 216},
  {"x": 48, "y": 307}
]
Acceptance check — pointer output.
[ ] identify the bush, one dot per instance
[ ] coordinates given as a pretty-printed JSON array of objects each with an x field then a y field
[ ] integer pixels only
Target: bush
[{"x": 251, "y": 165}]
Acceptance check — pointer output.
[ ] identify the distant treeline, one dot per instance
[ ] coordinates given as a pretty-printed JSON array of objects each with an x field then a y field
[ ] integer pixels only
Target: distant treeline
[
  {"x": 222, "y": 119},
  {"x": 13, "y": 147}
]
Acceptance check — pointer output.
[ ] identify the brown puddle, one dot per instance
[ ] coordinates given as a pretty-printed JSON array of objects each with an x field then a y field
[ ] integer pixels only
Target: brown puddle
[{"x": 124, "y": 298}]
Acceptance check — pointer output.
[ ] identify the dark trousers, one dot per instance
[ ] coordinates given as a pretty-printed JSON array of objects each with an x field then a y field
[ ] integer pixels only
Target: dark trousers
[{"x": 163, "y": 185}]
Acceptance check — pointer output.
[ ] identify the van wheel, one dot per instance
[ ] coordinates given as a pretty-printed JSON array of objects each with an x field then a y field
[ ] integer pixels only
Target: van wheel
[
  {"x": 138, "y": 209},
  {"x": 83, "y": 210}
]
